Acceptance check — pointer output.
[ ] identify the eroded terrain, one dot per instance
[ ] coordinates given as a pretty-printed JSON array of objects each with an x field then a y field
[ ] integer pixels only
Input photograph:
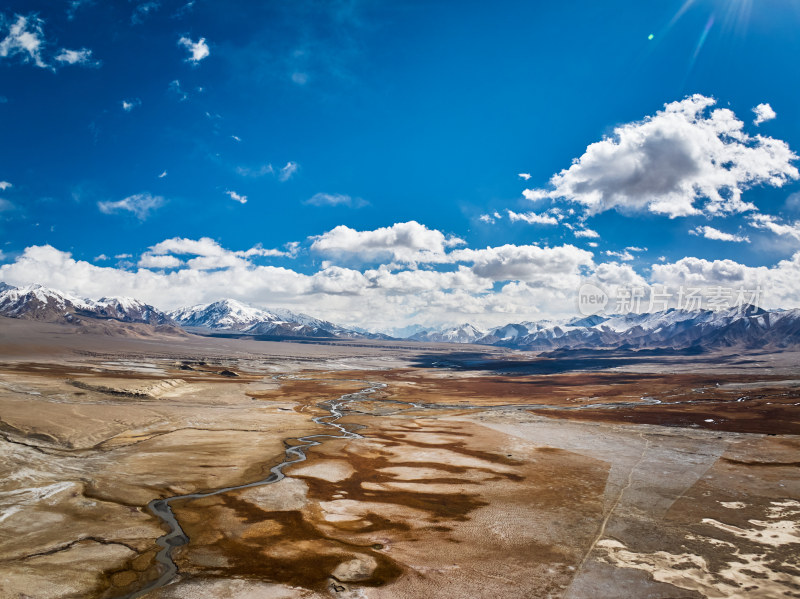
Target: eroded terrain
[{"x": 648, "y": 482}]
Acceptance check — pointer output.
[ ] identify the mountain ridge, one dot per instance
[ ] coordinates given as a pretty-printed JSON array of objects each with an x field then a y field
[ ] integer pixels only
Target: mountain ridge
[{"x": 740, "y": 326}]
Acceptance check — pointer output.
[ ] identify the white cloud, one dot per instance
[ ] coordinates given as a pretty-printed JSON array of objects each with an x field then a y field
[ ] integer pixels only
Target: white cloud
[
  {"x": 300, "y": 78},
  {"x": 335, "y": 199},
  {"x": 586, "y": 233},
  {"x": 712, "y": 233},
  {"x": 492, "y": 286},
  {"x": 80, "y": 57},
  {"x": 486, "y": 218},
  {"x": 525, "y": 176},
  {"x": 553, "y": 267},
  {"x": 123, "y": 256},
  {"x": 25, "y": 38},
  {"x": 680, "y": 161},
  {"x": 770, "y": 223},
  {"x": 140, "y": 204},
  {"x": 236, "y": 138},
  {"x": 408, "y": 242},
  {"x": 5, "y": 185},
  {"x": 160, "y": 262},
  {"x": 532, "y": 218},
  {"x": 210, "y": 254},
  {"x": 101, "y": 258},
  {"x": 205, "y": 246},
  {"x": 197, "y": 50},
  {"x": 128, "y": 105},
  {"x": 287, "y": 171},
  {"x": 763, "y": 113},
  {"x": 162, "y": 175},
  {"x": 779, "y": 284},
  {"x": 624, "y": 255},
  {"x": 236, "y": 197}
]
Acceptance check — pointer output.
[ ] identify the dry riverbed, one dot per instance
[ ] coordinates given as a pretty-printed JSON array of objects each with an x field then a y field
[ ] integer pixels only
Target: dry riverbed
[{"x": 606, "y": 485}]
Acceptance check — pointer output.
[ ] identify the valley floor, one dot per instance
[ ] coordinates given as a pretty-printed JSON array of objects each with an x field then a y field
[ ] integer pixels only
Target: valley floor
[{"x": 470, "y": 474}]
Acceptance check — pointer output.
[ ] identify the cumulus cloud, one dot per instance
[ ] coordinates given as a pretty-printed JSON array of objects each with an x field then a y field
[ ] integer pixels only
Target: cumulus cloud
[
  {"x": 489, "y": 286},
  {"x": 712, "y": 233},
  {"x": 771, "y": 223},
  {"x": 5, "y": 185},
  {"x": 242, "y": 199},
  {"x": 779, "y": 284},
  {"x": 408, "y": 242},
  {"x": 763, "y": 113},
  {"x": 335, "y": 199},
  {"x": 288, "y": 171},
  {"x": 686, "y": 159},
  {"x": 205, "y": 246},
  {"x": 140, "y": 204},
  {"x": 80, "y": 57},
  {"x": 160, "y": 262},
  {"x": 530, "y": 263},
  {"x": 209, "y": 254},
  {"x": 585, "y": 232},
  {"x": 623, "y": 255},
  {"x": 197, "y": 50},
  {"x": 532, "y": 218},
  {"x": 525, "y": 176},
  {"x": 128, "y": 105},
  {"x": 25, "y": 38}
]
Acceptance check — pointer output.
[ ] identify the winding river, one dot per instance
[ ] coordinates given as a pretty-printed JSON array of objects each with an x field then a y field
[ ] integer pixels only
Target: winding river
[{"x": 176, "y": 537}]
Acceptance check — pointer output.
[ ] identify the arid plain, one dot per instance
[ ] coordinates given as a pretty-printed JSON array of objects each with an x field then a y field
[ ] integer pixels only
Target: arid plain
[{"x": 429, "y": 471}]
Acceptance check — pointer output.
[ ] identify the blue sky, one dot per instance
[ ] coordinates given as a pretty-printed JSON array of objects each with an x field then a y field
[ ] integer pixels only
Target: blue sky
[{"x": 130, "y": 124}]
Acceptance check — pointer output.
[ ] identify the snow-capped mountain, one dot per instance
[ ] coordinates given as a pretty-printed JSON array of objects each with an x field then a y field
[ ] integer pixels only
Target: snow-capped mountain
[
  {"x": 743, "y": 326},
  {"x": 677, "y": 329},
  {"x": 37, "y": 302},
  {"x": 463, "y": 333},
  {"x": 231, "y": 315}
]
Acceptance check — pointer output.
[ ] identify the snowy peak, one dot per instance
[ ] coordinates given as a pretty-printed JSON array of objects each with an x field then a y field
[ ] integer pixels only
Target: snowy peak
[
  {"x": 232, "y": 315},
  {"x": 128, "y": 309},
  {"x": 463, "y": 333},
  {"x": 224, "y": 314},
  {"x": 747, "y": 325},
  {"x": 37, "y": 302}
]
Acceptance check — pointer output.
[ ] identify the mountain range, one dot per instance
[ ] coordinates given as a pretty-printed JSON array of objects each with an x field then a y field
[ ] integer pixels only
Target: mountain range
[
  {"x": 232, "y": 316},
  {"x": 742, "y": 326}
]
